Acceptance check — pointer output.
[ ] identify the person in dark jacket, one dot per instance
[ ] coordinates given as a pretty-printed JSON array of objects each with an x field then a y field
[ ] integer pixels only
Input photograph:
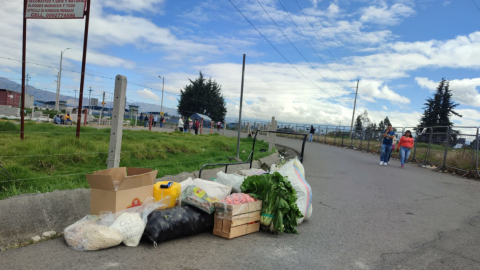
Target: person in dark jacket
[
  {"x": 312, "y": 131},
  {"x": 196, "y": 125},
  {"x": 161, "y": 121}
]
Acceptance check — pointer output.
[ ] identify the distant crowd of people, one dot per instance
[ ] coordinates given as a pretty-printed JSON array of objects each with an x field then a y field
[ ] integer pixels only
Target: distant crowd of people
[
  {"x": 59, "y": 119},
  {"x": 146, "y": 118}
]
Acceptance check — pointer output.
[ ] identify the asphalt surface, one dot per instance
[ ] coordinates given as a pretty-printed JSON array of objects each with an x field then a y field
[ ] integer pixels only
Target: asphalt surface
[{"x": 365, "y": 216}]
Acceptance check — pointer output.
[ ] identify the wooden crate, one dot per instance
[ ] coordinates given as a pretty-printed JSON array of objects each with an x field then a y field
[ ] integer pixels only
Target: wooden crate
[{"x": 238, "y": 220}]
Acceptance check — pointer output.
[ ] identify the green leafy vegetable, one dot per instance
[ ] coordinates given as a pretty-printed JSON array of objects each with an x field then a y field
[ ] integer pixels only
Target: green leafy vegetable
[{"x": 279, "y": 210}]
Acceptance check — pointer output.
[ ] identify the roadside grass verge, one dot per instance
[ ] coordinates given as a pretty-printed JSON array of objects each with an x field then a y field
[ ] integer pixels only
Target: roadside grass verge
[{"x": 51, "y": 158}]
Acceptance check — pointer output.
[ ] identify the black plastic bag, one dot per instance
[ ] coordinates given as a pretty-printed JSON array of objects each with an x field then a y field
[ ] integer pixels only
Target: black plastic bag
[{"x": 173, "y": 223}]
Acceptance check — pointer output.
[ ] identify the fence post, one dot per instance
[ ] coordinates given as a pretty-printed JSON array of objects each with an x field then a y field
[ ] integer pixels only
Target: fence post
[
  {"x": 335, "y": 136},
  {"x": 444, "y": 167},
  {"x": 224, "y": 127},
  {"x": 476, "y": 154},
  {"x": 326, "y": 133},
  {"x": 150, "y": 119},
  {"x": 201, "y": 126},
  {"x": 118, "y": 112},
  {"x": 85, "y": 119},
  {"x": 414, "y": 146}
]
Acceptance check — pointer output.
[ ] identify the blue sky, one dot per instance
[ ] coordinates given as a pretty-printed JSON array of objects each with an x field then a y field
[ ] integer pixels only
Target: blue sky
[{"x": 399, "y": 49}]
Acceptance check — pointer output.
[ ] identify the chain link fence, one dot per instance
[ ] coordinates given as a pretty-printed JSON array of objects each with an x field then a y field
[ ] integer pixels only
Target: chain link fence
[{"x": 455, "y": 150}]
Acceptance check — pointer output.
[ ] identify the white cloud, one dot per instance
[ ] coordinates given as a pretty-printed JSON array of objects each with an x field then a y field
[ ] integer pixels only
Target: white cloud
[
  {"x": 147, "y": 94},
  {"x": 128, "y": 6},
  {"x": 463, "y": 91},
  {"x": 385, "y": 108},
  {"x": 446, "y": 3},
  {"x": 386, "y": 15}
]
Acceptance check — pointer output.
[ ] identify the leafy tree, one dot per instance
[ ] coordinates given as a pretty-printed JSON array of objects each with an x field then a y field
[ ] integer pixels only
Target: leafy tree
[
  {"x": 438, "y": 109},
  {"x": 202, "y": 96}
]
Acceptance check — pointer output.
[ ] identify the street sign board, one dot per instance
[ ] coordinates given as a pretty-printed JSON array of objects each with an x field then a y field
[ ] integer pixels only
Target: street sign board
[
  {"x": 103, "y": 103},
  {"x": 161, "y": 113},
  {"x": 55, "y": 9}
]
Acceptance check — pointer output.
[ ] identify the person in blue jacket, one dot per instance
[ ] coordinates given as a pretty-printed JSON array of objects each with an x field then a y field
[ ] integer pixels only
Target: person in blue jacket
[{"x": 388, "y": 136}]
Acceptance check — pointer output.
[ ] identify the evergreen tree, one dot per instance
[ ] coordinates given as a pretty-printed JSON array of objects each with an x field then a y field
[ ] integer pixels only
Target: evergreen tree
[
  {"x": 381, "y": 126},
  {"x": 437, "y": 110},
  {"x": 202, "y": 96},
  {"x": 358, "y": 125}
]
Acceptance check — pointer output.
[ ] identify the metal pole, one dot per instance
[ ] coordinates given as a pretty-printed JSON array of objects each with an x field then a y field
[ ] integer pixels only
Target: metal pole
[
  {"x": 163, "y": 86},
  {"x": 240, "y": 113},
  {"x": 476, "y": 154},
  {"x": 24, "y": 51},
  {"x": 103, "y": 106},
  {"x": 82, "y": 76},
  {"x": 353, "y": 114},
  {"x": 446, "y": 149}
]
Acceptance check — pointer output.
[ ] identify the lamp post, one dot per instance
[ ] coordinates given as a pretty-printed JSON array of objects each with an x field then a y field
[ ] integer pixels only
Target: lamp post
[
  {"x": 57, "y": 99},
  {"x": 163, "y": 85}
]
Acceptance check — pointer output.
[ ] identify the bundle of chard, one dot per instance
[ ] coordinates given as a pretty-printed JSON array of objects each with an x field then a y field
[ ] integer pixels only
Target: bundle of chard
[{"x": 279, "y": 211}]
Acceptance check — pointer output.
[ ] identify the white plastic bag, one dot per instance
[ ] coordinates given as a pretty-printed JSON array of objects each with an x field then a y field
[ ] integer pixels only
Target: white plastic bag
[
  {"x": 130, "y": 223},
  {"x": 92, "y": 233},
  {"x": 186, "y": 183},
  {"x": 295, "y": 174},
  {"x": 231, "y": 179}
]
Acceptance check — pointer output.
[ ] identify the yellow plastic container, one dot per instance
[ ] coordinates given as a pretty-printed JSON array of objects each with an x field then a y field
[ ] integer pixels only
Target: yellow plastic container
[{"x": 167, "y": 188}]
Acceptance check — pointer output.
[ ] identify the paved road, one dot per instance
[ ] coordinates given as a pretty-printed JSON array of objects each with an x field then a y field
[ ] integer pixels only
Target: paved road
[{"x": 365, "y": 216}]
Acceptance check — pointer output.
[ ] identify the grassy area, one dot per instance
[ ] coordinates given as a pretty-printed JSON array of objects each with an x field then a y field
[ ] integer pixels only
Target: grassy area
[{"x": 55, "y": 159}]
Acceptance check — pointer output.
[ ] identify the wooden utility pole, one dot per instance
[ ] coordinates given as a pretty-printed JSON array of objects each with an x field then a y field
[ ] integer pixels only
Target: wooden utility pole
[
  {"x": 240, "y": 114},
  {"x": 353, "y": 114}
]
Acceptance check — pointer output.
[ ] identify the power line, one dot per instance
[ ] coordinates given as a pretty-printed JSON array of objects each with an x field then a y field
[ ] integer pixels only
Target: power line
[
  {"x": 321, "y": 39},
  {"x": 277, "y": 49},
  {"x": 476, "y": 5},
  {"x": 309, "y": 42},
  {"x": 294, "y": 45}
]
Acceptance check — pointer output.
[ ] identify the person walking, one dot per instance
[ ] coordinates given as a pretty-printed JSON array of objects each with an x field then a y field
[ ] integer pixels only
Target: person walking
[
  {"x": 162, "y": 120},
  {"x": 394, "y": 142},
  {"x": 312, "y": 131},
  {"x": 141, "y": 117},
  {"x": 145, "y": 120},
  {"x": 180, "y": 124},
  {"x": 388, "y": 136},
  {"x": 405, "y": 145},
  {"x": 219, "y": 125},
  {"x": 196, "y": 125},
  {"x": 155, "y": 119}
]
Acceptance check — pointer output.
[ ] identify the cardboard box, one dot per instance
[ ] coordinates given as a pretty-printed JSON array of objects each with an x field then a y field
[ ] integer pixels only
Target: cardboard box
[
  {"x": 238, "y": 220},
  {"x": 132, "y": 191}
]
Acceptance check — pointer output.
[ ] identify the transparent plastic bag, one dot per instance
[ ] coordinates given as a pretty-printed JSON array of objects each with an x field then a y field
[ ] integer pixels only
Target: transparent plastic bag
[
  {"x": 93, "y": 233},
  {"x": 197, "y": 197}
]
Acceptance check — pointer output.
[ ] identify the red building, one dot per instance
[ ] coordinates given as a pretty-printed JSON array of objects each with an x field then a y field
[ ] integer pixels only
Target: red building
[{"x": 10, "y": 98}]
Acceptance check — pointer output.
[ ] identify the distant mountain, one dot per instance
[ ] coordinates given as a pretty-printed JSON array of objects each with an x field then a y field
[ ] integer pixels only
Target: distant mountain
[{"x": 43, "y": 95}]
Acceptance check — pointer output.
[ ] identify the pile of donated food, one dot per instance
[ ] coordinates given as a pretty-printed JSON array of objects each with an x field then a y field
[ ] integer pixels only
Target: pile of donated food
[{"x": 229, "y": 206}]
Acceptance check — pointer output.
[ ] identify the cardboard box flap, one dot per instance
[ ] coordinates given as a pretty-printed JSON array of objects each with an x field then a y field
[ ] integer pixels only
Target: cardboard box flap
[
  {"x": 136, "y": 171},
  {"x": 139, "y": 180},
  {"x": 100, "y": 181},
  {"x": 117, "y": 173}
]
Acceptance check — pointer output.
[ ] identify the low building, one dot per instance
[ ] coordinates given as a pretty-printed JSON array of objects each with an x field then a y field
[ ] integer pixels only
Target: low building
[
  {"x": 12, "y": 98},
  {"x": 51, "y": 105}
]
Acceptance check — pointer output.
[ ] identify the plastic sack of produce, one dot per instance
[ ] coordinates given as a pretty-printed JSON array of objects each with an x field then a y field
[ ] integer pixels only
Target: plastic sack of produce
[
  {"x": 212, "y": 188},
  {"x": 130, "y": 223},
  {"x": 197, "y": 197},
  {"x": 295, "y": 174},
  {"x": 93, "y": 233},
  {"x": 230, "y": 179},
  {"x": 173, "y": 223}
]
